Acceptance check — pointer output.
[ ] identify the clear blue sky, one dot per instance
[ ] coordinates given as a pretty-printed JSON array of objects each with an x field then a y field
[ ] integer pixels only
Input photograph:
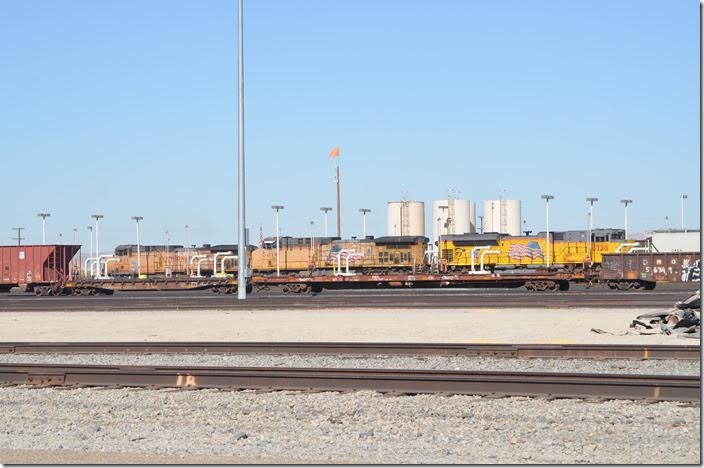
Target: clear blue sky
[{"x": 128, "y": 107}]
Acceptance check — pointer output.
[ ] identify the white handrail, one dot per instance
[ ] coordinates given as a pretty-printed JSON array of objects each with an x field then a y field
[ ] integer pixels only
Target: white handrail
[
  {"x": 222, "y": 263},
  {"x": 474, "y": 250},
  {"x": 631, "y": 244},
  {"x": 481, "y": 267},
  {"x": 215, "y": 261}
]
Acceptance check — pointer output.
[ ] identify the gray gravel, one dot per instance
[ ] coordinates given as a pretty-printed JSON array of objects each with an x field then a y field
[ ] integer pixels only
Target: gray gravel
[
  {"x": 675, "y": 367},
  {"x": 359, "y": 427}
]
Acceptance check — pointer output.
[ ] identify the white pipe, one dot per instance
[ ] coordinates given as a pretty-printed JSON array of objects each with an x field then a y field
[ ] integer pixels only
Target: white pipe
[
  {"x": 97, "y": 266},
  {"x": 215, "y": 261},
  {"x": 85, "y": 268},
  {"x": 481, "y": 267},
  {"x": 190, "y": 262},
  {"x": 631, "y": 244},
  {"x": 111, "y": 259},
  {"x": 347, "y": 262},
  {"x": 339, "y": 263},
  {"x": 474, "y": 250},
  {"x": 198, "y": 275},
  {"x": 222, "y": 263},
  {"x": 638, "y": 249}
]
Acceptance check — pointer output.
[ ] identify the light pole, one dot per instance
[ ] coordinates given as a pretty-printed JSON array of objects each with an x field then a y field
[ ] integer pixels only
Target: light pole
[
  {"x": 277, "y": 208},
  {"x": 242, "y": 241},
  {"x": 167, "y": 270},
  {"x": 43, "y": 216},
  {"x": 90, "y": 252},
  {"x": 137, "y": 219},
  {"x": 188, "y": 249},
  {"x": 683, "y": 197},
  {"x": 591, "y": 201},
  {"x": 75, "y": 242},
  {"x": 442, "y": 208},
  {"x": 97, "y": 218},
  {"x": 547, "y": 199},
  {"x": 666, "y": 219},
  {"x": 625, "y": 215},
  {"x": 364, "y": 212},
  {"x": 325, "y": 210},
  {"x": 311, "y": 241}
]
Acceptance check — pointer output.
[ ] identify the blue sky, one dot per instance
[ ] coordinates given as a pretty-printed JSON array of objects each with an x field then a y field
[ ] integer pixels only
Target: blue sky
[{"x": 129, "y": 107}]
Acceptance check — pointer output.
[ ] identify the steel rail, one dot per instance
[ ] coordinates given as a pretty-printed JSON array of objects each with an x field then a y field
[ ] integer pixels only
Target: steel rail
[
  {"x": 555, "y": 385},
  {"x": 587, "y": 351}
]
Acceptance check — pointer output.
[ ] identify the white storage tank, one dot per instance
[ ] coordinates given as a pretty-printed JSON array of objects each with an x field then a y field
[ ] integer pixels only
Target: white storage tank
[
  {"x": 676, "y": 240},
  {"x": 406, "y": 218},
  {"x": 502, "y": 216},
  {"x": 461, "y": 215}
]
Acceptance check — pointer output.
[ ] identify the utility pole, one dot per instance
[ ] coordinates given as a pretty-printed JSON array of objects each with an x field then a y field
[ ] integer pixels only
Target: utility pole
[
  {"x": 43, "y": 216},
  {"x": 242, "y": 241},
  {"x": 19, "y": 237},
  {"x": 481, "y": 224},
  {"x": 364, "y": 212},
  {"x": 325, "y": 210},
  {"x": 337, "y": 181}
]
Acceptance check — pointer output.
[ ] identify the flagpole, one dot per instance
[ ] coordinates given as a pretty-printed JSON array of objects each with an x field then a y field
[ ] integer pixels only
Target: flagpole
[{"x": 337, "y": 180}]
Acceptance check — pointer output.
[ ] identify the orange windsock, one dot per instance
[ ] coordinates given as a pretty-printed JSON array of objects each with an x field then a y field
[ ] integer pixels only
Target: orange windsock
[{"x": 335, "y": 152}]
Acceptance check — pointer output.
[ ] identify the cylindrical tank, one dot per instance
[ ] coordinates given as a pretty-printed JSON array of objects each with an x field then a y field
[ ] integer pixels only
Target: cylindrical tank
[
  {"x": 406, "y": 218},
  {"x": 461, "y": 215},
  {"x": 502, "y": 216}
]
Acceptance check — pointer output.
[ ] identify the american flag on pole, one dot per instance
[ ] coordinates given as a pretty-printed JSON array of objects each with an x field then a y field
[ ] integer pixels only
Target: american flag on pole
[
  {"x": 261, "y": 237},
  {"x": 531, "y": 249}
]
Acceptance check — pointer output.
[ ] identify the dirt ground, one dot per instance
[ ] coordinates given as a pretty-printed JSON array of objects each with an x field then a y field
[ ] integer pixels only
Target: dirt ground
[{"x": 558, "y": 326}]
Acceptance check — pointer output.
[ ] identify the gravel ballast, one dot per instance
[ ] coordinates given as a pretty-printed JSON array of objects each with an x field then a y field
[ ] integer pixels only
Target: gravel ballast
[
  {"x": 617, "y": 366},
  {"x": 357, "y": 427}
]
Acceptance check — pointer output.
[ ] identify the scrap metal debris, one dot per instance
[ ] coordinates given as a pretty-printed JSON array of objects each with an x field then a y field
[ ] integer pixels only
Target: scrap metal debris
[{"x": 683, "y": 318}]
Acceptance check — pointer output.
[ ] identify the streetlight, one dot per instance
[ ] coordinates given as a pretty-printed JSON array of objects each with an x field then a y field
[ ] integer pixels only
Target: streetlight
[
  {"x": 137, "y": 219},
  {"x": 312, "y": 224},
  {"x": 547, "y": 199},
  {"x": 325, "y": 209},
  {"x": 167, "y": 270},
  {"x": 97, "y": 218},
  {"x": 682, "y": 199},
  {"x": 43, "y": 216},
  {"x": 364, "y": 212},
  {"x": 90, "y": 252},
  {"x": 625, "y": 211},
  {"x": 277, "y": 208},
  {"x": 591, "y": 201},
  {"x": 188, "y": 248}
]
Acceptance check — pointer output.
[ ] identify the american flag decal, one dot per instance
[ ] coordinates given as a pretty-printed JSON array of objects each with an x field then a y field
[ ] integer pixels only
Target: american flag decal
[{"x": 532, "y": 250}]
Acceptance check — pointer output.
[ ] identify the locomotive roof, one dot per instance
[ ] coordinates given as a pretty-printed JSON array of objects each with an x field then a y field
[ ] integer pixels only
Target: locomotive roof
[{"x": 401, "y": 240}]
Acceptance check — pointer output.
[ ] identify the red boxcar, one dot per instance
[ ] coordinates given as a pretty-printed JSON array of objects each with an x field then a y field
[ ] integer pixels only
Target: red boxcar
[{"x": 29, "y": 266}]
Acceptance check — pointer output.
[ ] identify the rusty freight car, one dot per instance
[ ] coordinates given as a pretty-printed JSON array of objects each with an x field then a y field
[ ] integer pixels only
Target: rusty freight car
[
  {"x": 635, "y": 270},
  {"x": 40, "y": 268}
]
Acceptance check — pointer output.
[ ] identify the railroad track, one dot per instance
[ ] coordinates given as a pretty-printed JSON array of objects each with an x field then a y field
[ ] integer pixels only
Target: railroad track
[
  {"x": 394, "y": 349},
  {"x": 556, "y": 385}
]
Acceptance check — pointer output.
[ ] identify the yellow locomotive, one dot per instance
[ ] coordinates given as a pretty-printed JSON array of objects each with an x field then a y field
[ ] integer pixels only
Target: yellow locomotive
[
  {"x": 325, "y": 255},
  {"x": 567, "y": 250}
]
